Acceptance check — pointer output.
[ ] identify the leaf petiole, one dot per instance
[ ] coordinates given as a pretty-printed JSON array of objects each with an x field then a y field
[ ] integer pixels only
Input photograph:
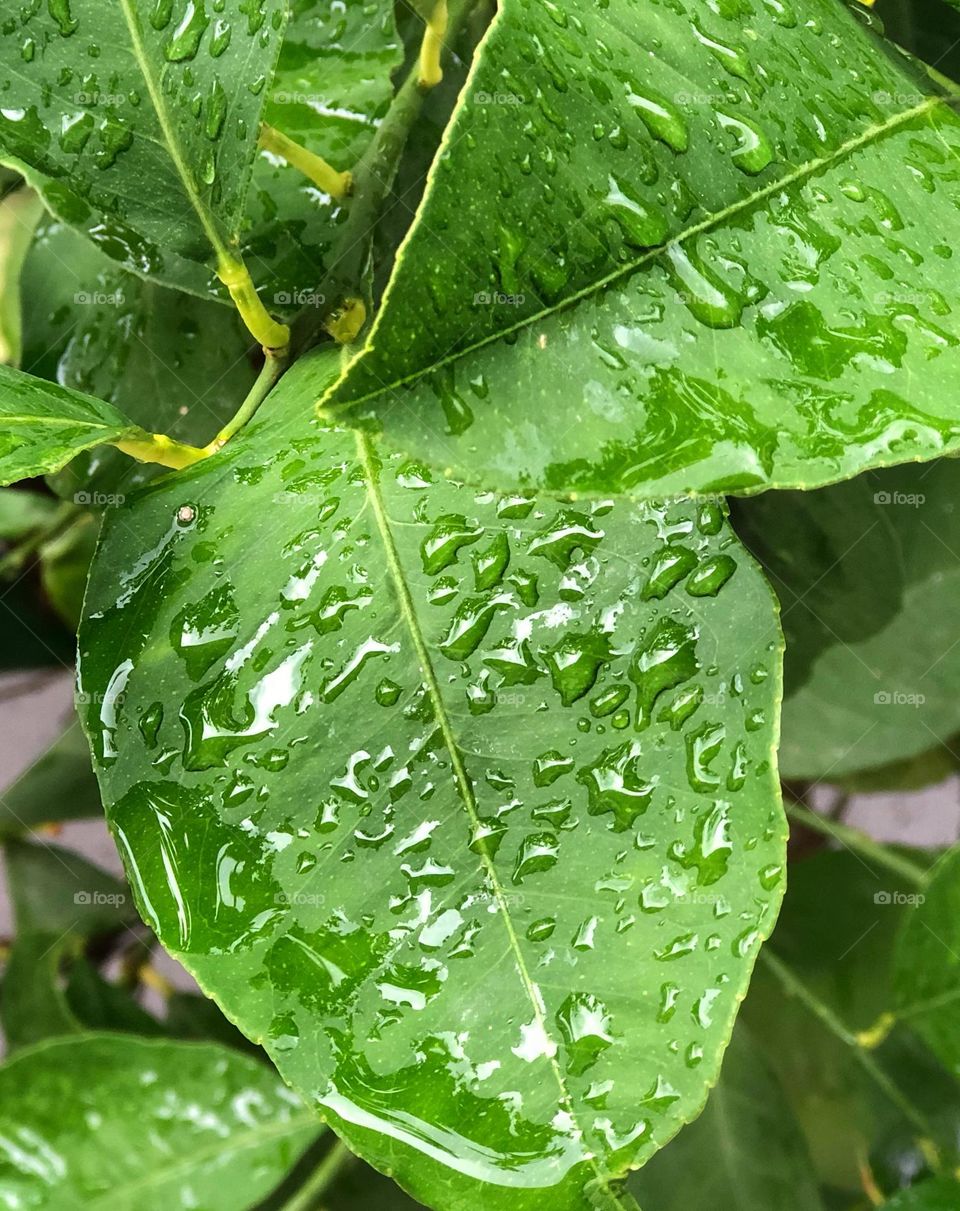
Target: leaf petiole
[
  {"x": 859, "y": 843},
  {"x": 158, "y": 448},
  {"x": 307, "y": 1197},
  {"x": 315, "y": 168},
  {"x": 273, "y": 336},
  {"x": 431, "y": 49}
]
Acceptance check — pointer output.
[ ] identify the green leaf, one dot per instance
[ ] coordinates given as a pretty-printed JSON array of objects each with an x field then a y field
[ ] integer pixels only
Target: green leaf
[
  {"x": 868, "y": 580},
  {"x": 20, "y": 212},
  {"x": 56, "y": 891},
  {"x": 64, "y": 564},
  {"x": 175, "y": 365},
  {"x": 744, "y": 1153},
  {"x": 43, "y": 425},
  {"x": 676, "y": 252},
  {"x": 331, "y": 88},
  {"x": 114, "y": 1122},
  {"x": 150, "y": 149},
  {"x": 444, "y": 782},
  {"x": 23, "y": 512},
  {"x": 942, "y": 1194},
  {"x": 60, "y": 785},
  {"x": 33, "y": 1005},
  {"x": 927, "y": 965},
  {"x": 99, "y": 1004}
]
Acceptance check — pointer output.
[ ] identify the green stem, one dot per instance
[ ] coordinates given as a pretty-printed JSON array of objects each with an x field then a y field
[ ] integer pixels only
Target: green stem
[
  {"x": 857, "y": 841},
  {"x": 794, "y": 986},
  {"x": 315, "y": 168},
  {"x": 307, "y": 1197},
  {"x": 274, "y": 337},
  {"x": 273, "y": 367}
]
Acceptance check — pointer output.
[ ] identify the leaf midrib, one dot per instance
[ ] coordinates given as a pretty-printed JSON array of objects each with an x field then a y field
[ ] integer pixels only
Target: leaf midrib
[
  {"x": 800, "y": 174},
  {"x": 169, "y": 135},
  {"x": 461, "y": 777}
]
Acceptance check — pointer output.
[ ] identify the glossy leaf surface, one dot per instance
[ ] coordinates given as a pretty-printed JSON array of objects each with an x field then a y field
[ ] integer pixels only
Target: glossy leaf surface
[
  {"x": 113, "y": 1122},
  {"x": 464, "y": 804},
  {"x": 869, "y": 586},
  {"x": 43, "y": 425},
  {"x": 666, "y": 252},
  {"x": 744, "y": 1153},
  {"x": 927, "y": 966},
  {"x": 140, "y": 130}
]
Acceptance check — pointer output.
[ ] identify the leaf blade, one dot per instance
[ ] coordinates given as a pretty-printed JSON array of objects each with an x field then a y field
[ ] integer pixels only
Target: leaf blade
[{"x": 352, "y": 657}]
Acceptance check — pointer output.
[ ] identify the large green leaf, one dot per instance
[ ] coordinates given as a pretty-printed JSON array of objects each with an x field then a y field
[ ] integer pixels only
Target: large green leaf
[
  {"x": 116, "y": 1123},
  {"x": 464, "y": 805},
  {"x": 927, "y": 965},
  {"x": 674, "y": 248},
  {"x": 869, "y": 586},
  {"x": 43, "y": 425},
  {"x": 331, "y": 88},
  {"x": 138, "y": 122},
  {"x": 744, "y": 1153}
]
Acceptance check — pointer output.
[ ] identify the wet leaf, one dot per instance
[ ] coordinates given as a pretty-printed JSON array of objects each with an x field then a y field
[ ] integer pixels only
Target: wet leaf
[
  {"x": 927, "y": 966},
  {"x": 695, "y": 251},
  {"x": 744, "y": 1153},
  {"x": 119, "y": 1122},
  {"x": 869, "y": 586},
  {"x": 43, "y": 425},
  {"x": 463, "y": 804},
  {"x": 331, "y": 88},
  {"x": 141, "y": 128}
]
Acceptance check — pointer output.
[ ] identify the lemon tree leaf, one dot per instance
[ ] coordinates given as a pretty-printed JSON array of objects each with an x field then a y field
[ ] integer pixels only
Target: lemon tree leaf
[
  {"x": 113, "y": 1122},
  {"x": 693, "y": 249},
  {"x": 141, "y": 128},
  {"x": 465, "y": 805},
  {"x": 43, "y": 425},
  {"x": 868, "y": 582}
]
